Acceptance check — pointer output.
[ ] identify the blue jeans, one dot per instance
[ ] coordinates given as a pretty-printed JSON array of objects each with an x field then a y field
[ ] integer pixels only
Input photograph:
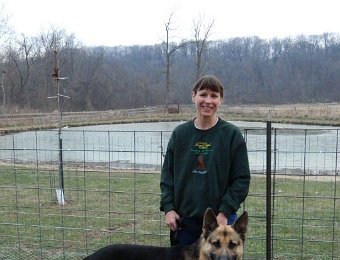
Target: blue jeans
[{"x": 190, "y": 229}]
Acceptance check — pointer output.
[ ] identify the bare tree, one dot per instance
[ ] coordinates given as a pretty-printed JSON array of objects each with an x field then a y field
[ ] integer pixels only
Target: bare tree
[
  {"x": 3, "y": 91},
  {"x": 201, "y": 34},
  {"x": 5, "y": 30},
  {"x": 90, "y": 67},
  {"x": 5, "y": 35},
  {"x": 55, "y": 39},
  {"x": 170, "y": 49},
  {"x": 19, "y": 60}
]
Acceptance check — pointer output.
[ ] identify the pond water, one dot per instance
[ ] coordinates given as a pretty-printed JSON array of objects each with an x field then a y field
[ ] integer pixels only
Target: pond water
[{"x": 298, "y": 148}]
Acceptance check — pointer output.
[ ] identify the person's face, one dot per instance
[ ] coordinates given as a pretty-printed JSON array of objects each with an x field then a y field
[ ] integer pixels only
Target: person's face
[{"x": 207, "y": 102}]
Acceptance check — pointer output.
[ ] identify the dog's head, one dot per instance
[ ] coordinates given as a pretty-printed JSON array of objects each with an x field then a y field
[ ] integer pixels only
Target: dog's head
[{"x": 222, "y": 242}]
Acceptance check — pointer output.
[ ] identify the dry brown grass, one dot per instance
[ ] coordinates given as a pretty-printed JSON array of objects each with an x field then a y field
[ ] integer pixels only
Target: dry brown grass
[{"x": 315, "y": 114}]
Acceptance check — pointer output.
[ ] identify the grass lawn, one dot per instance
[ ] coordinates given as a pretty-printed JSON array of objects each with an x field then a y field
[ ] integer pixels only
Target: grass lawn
[{"x": 123, "y": 207}]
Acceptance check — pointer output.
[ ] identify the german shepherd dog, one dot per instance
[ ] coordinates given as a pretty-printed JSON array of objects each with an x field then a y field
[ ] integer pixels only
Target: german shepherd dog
[{"x": 217, "y": 242}]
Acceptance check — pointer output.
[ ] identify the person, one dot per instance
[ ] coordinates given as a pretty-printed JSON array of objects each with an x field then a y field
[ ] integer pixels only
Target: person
[{"x": 205, "y": 165}]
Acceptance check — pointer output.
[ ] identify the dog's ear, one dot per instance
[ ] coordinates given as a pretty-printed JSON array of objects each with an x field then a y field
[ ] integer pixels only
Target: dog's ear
[
  {"x": 241, "y": 225},
  {"x": 209, "y": 222}
]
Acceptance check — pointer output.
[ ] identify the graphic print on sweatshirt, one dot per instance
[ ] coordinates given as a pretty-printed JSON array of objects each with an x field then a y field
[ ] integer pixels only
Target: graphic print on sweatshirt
[{"x": 201, "y": 149}]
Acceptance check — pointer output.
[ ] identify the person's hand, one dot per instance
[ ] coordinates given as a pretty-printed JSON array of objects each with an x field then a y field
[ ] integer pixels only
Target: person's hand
[
  {"x": 221, "y": 219},
  {"x": 170, "y": 219}
]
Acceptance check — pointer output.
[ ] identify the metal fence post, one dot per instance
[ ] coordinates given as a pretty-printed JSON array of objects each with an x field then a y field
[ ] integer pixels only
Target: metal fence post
[{"x": 268, "y": 193}]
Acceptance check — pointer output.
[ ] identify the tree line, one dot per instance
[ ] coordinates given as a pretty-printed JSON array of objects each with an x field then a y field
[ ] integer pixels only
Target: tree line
[{"x": 303, "y": 69}]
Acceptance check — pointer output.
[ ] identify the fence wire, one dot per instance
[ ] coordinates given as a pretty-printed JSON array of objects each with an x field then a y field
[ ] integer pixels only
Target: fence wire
[{"x": 111, "y": 193}]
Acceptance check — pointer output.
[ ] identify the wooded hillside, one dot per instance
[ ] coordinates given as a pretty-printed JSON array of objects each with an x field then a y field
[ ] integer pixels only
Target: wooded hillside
[{"x": 305, "y": 69}]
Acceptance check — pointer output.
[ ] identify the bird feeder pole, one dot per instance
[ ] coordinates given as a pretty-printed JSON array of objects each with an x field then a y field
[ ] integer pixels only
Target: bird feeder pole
[{"x": 57, "y": 78}]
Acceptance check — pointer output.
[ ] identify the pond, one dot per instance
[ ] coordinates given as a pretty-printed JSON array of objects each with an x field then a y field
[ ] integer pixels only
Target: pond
[{"x": 304, "y": 148}]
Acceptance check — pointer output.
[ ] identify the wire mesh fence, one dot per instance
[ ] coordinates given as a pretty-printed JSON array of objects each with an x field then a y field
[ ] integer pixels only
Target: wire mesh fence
[{"x": 111, "y": 193}]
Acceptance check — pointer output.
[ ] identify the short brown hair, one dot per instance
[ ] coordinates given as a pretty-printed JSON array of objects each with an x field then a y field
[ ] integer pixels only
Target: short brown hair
[{"x": 208, "y": 82}]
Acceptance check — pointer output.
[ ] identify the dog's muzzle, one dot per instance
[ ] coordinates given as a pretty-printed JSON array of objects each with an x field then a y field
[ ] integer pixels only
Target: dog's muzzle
[{"x": 222, "y": 257}]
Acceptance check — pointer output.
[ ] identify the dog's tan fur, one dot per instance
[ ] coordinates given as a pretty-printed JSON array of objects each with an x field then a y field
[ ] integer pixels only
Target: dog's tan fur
[{"x": 227, "y": 241}]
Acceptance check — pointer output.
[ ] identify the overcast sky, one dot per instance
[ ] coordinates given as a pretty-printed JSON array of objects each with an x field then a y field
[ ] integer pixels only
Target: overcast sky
[{"x": 129, "y": 22}]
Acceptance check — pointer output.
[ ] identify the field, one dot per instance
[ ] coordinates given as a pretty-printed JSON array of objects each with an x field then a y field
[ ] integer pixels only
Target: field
[
  {"x": 104, "y": 207},
  {"x": 316, "y": 114}
]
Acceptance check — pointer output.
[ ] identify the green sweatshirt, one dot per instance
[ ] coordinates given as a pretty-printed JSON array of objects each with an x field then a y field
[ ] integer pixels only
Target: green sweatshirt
[{"x": 204, "y": 168}]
